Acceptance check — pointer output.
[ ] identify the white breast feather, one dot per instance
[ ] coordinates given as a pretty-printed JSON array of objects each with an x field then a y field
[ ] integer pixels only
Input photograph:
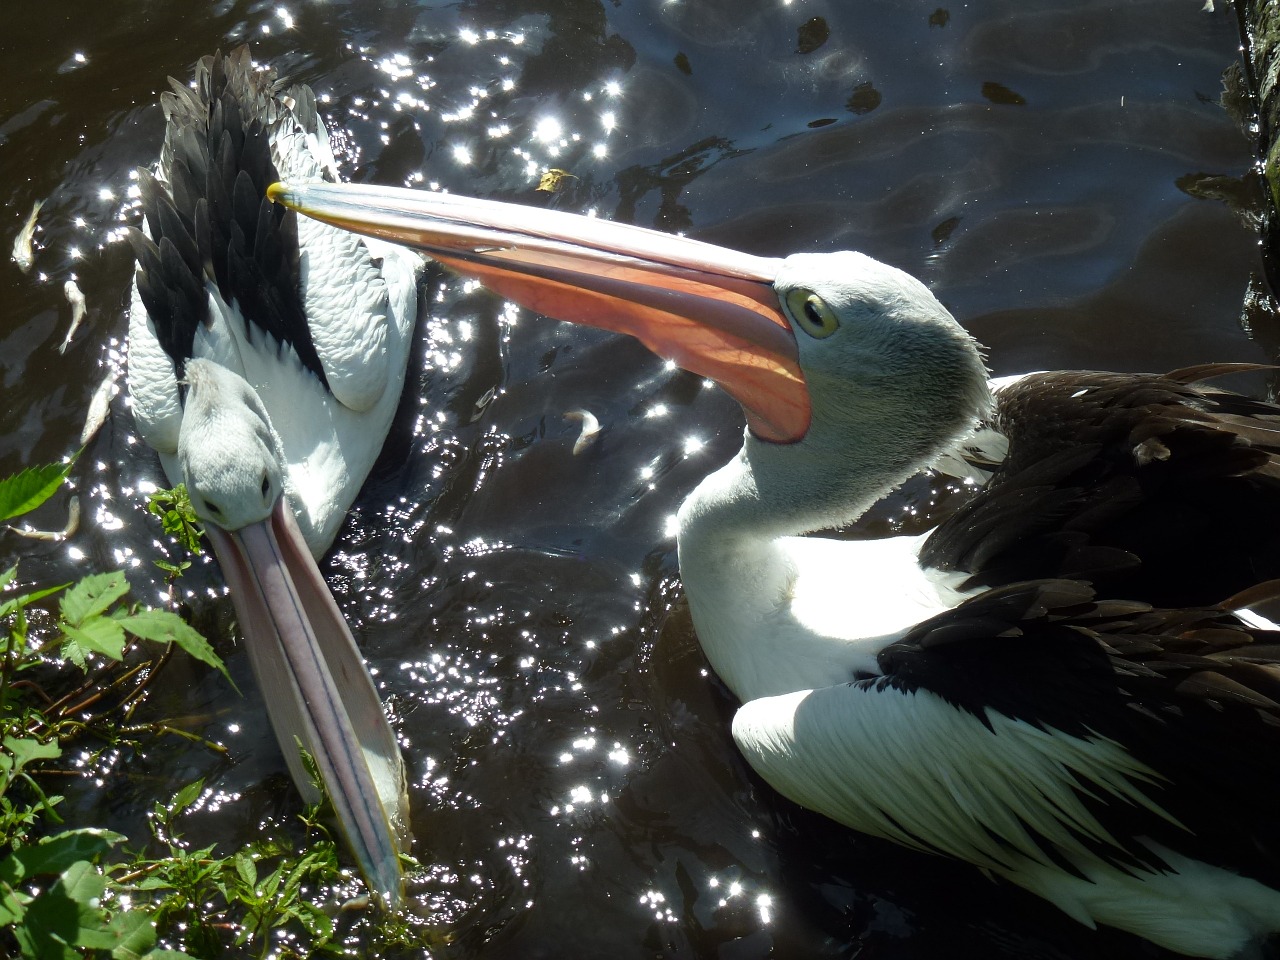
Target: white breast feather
[
  {"x": 950, "y": 782},
  {"x": 853, "y": 753}
]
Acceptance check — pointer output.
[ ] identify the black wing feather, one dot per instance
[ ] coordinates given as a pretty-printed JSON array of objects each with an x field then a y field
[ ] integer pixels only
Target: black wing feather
[
  {"x": 1191, "y": 693},
  {"x": 209, "y": 208},
  {"x": 1151, "y": 487}
]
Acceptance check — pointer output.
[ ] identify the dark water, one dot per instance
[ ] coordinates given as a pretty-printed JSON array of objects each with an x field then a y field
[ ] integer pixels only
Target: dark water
[{"x": 1063, "y": 176}]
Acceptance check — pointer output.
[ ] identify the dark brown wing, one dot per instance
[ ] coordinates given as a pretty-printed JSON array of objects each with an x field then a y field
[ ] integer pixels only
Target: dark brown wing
[
  {"x": 1191, "y": 693},
  {"x": 1151, "y": 487}
]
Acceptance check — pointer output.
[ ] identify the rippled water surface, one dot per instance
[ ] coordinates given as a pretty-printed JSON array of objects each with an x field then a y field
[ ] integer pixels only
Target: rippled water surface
[{"x": 1062, "y": 174}]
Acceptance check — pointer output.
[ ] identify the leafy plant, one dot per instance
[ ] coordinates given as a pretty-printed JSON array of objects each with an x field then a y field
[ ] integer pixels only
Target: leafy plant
[
  {"x": 52, "y": 884},
  {"x": 80, "y": 892},
  {"x": 178, "y": 518},
  {"x": 252, "y": 896}
]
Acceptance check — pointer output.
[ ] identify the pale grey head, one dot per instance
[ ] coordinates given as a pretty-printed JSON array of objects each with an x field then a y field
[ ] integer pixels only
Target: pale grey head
[{"x": 230, "y": 456}]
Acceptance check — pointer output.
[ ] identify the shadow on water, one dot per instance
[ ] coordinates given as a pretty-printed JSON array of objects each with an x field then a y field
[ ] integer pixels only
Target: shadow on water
[{"x": 1062, "y": 175}]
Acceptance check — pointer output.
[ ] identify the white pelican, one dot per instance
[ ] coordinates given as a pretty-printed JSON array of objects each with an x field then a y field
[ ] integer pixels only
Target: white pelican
[
  {"x": 1063, "y": 683},
  {"x": 266, "y": 359}
]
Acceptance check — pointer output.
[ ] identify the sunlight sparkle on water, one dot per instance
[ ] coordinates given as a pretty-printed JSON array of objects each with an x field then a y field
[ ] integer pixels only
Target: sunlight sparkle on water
[
  {"x": 462, "y": 154},
  {"x": 655, "y": 900},
  {"x": 548, "y": 129},
  {"x": 285, "y": 17},
  {"x": 763, "y": 904},
  {"x": 397, "y": 67}
]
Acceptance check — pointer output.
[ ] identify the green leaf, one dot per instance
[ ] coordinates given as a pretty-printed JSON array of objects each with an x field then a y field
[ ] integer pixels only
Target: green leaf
[
  {"x": 99, "y": 635},
  {"x": 186, "y": 796},
  {"x": 17, "y": 753},
  {"x": 129, "y": 935},
  {"x": 26, "y": 599},
  {"x": 317, "y": 922},
  {"x": 27, "y": 490},
  {"x": 55, "y": 854},
  {"x": 13, "y": 907},
  {"x": 247, "y": 869},
  {"x": 165, "y": 626},
  {"x": 93, "y": 595},
  {"x": 167, "y": 955},
  {"x": 154, "y": 883},
  {"x": 136, "y": 934},
  {"x": 50, "y": 926},
  {"x": 83, "y": 883},
  {"x": 73, "y": 652},
  {"x": 173, "y": 507}
]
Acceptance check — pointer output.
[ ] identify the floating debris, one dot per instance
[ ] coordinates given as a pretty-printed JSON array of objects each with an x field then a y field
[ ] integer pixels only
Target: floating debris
[
  {"x": 24, "y": 254},
  {"x": 553, "y": 180},
  {"x": 98, "y": 407},
  {"x": 73, "y": 524},
  {"x": 590, "y": 429},
  {"x": 78, "y": 310}
]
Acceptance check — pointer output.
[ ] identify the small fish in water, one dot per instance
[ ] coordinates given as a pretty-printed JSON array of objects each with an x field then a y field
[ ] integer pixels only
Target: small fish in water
[
  {"x": 590, "y": 429},
  {"x": 73, "y": 524},
  {"x": 24, "y": 244},
  {"x": 98, "y": 407},
  {"x": 78, "y": 310}
]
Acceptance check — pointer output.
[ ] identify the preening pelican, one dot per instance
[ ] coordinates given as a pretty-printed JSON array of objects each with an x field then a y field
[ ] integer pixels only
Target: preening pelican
[
  {"x": 266, "y": 359},
  {"x": 1071, "y": 683}
]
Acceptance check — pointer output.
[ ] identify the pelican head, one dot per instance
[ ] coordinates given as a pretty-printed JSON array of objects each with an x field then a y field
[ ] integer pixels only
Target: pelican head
[
  {"x": 228, "y": 452},
  {"x": 876, "y": 347},
  {"x": 817, "y": 347}
]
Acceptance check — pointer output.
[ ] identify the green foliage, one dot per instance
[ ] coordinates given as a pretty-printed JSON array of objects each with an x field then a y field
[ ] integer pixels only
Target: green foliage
[
  {"x": 178, "y": 518},
  {"x": 82, "y": 894},
  {"x": 257, "y": 891},
  {"x": 53, "y": 884},
  {"x": 27, "y": 490}
]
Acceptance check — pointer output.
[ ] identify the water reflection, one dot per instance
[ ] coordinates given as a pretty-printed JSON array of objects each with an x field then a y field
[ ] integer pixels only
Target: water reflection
[{"x": 575, "y": 787}]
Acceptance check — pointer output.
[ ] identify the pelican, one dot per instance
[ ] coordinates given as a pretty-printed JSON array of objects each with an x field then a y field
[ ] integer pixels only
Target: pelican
[
  {"x": 1071, "y": 683},
  {"x": 266, "y": 360}
]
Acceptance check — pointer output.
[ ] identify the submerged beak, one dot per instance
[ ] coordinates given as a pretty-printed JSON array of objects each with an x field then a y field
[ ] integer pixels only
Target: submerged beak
[
  {"x": 319, "y": 696},
  {"x": 711, "y": 310}
]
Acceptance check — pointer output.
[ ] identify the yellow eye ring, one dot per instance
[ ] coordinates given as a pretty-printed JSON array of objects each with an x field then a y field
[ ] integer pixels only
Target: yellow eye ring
[{"x": 811, "y": 314}]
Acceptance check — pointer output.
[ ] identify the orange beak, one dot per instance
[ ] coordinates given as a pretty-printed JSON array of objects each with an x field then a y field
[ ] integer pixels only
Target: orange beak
[{"x": 711, "y": 310}]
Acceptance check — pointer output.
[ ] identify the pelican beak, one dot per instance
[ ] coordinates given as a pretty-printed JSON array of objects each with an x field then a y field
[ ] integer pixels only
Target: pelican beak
[
  {"x": 319, "y": 696},
  {"x": 711, "y": 310}
]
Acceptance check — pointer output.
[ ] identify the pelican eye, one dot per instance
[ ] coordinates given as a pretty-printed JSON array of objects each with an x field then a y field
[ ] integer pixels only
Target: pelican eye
[
  {"x": 266, "y": 485},
  {"x": 812, "y": 314}
]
